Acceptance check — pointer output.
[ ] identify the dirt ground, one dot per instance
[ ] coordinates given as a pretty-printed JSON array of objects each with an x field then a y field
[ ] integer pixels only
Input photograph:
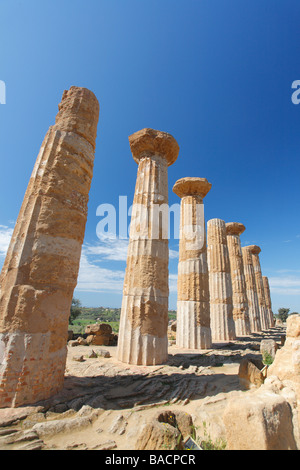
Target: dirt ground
[{"x": 105, "y": 404}]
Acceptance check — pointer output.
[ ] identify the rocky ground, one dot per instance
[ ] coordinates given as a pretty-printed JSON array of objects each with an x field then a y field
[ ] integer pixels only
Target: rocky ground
[{"x": 106, "y": 404}]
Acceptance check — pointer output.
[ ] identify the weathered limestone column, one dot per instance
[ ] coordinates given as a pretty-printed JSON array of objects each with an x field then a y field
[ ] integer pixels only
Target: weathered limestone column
[
  {"x": 239, "y": 292},
  {"x": 268, "y": 301},
  {"x": 42, "y": 262},
  {"x": 193, "y": 310},
  {"x": 253, "y": 305},
  {"x": 221, "y": 308},
  {"x": 144, "y": 314},
  {"x": 255, "y": 250}
]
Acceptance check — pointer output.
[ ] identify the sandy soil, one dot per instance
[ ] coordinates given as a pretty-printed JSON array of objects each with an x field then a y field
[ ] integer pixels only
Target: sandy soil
[{"x": 105, "y": 404}]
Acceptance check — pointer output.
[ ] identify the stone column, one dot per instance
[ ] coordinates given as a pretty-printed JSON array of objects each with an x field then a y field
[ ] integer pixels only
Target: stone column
[
  {"x": 255, "y": 250},
  {"x": 42, "y": 262},
  {"x": 254, "y": 314},
  {"x": 193, "y": 311},
  {"x": 221, "y": 309},
  {"x": 239, "y": 292},
  {"x": 268, "y": 301},
  {"x": 144, "y": 314}
]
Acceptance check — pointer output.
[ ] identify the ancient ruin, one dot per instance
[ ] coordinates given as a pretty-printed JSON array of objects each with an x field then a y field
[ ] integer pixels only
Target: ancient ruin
[
  {"x": 42, "y": 262},
  {"x": 239, "y": 291},
  {"x": 193, "y": 311},
  {"x": 264, "y": 320},
  {"x": 220, "y": 286},
  {"x": 144, "y": 315},
  {"x": 254, "y": 313},
  {"x": 268, "y": 301},
  {"x": 241, "y": 393}
]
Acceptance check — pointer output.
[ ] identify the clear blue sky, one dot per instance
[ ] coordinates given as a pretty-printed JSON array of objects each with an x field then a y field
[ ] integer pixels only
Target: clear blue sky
[{"x": 216, "y": 74}]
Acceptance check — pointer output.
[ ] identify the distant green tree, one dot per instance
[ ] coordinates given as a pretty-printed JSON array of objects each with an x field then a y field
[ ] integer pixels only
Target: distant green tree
[
  {"x": 283, "y": 313},
  {"x": 75, "y": 310}
]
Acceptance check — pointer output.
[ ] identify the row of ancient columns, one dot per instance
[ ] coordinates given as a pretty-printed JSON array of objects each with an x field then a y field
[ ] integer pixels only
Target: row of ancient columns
[
  {"x": 221, "y": 292},
  {"x": 219, "y": 296}
]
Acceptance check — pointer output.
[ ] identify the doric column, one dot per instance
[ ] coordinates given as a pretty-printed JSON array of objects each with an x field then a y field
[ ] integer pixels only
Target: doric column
[
  {"x": 144, "y": 314},
  {"x": 42, "y": 262},
  {"x": 264, "y": 322},
  {"x": 239, "y": 292},
  {"x": 221, "y": 309},
  {"x": 268, "y": 301},
  {"x": 253, "y": 305},
  {"x": 193, "y": 312}
]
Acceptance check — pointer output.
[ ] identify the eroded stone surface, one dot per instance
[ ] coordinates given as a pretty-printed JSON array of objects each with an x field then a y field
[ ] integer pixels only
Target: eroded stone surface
[
  {"x": 264, "y": 316},
  {"x": 253, "y": 305},
  {"x": 220, "y": 286},
  {"x": 239, "y": 291},
  {"x": 193, "y": 310},
  {"x": 42, "y": 262},
  {"x": 144, "y": 314},
  {"x": 268, "y": 301}
]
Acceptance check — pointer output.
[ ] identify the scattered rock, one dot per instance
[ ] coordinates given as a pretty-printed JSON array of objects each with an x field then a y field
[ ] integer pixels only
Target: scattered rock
[
  {"x": 250, "y": 373},
  {"x": 78, "y": 358},
  {"x": 165, "y": 432},
  {"x": 92, "y": 354},
  {"x": 103, "y": 353},
  {"x": 268, "y": 348}
]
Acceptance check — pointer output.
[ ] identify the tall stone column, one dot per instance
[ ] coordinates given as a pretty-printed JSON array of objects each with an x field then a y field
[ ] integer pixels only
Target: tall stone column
[
  {"x": 42, "y": 262},
  {"x": 220, "y": 286},
  {"x": 253, "y": 305},
  {"x": 144, "y": 314},
  {"x": 268, "y": 301},
  {"x": 239, "y": 292},
  {"x": 193, "y": 310},
  {"x": 255, "y": 250}
]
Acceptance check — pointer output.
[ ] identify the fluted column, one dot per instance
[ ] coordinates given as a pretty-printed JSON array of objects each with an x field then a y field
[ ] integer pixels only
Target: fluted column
[
  {"x": 193, "y": 312},
  {"x": 268, "y": 301},
  {"x": 239, "y": 292},
  {"x": 264, "y": 321},
  {"x": 42, "y": 262},
  {"x": 254, "y": 313},
  {"x": 221, "y": 309},
  {"x": 144, "y": 314}
]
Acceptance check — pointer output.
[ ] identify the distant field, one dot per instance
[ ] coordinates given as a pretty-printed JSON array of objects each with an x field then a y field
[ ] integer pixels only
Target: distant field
[{"x": 111, "y": 316}]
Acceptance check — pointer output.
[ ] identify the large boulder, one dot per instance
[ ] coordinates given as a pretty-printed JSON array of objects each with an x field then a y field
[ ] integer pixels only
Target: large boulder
[
  {"x": 286, "y": 365},
  {"x": 100, "y": 335},
  {"x": 261, "y": 420},
  {"x": 166, "y": 431}
]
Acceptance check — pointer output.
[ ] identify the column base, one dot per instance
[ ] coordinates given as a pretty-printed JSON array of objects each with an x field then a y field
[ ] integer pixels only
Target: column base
[
  {"x": 189, "y": 334},
  {"x": 29, "y": 372},
  {"x": 222, "y": 323},
  {"x": 135, "y": 347}
]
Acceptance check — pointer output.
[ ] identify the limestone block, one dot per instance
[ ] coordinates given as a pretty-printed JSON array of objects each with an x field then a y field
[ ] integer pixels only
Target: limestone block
[
  {"x": 286, "y": 365},
  {"x": 268, "y": 348},
  {"x": 259, "y": 421}
]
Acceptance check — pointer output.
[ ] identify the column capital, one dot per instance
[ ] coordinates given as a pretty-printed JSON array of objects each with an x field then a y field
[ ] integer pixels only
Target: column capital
[
  {"x": 192, "y": 186},
  {"x": 148, "y": 142},
  {"x": 235, "y": 228},
  {"x": 254, "y": 249}
]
